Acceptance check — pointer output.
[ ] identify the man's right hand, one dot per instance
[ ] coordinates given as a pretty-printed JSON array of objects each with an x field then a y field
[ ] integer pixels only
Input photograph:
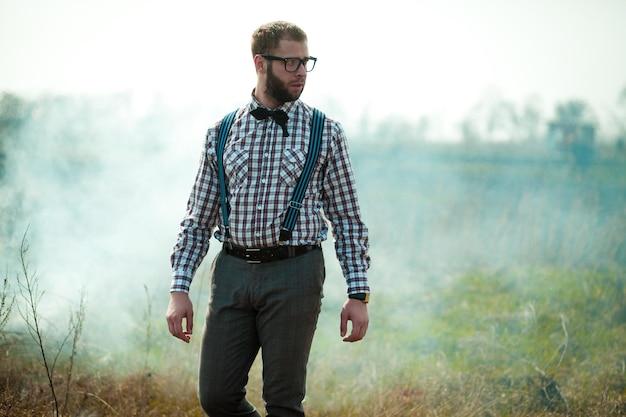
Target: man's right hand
[{"x": 180, "y": 308}]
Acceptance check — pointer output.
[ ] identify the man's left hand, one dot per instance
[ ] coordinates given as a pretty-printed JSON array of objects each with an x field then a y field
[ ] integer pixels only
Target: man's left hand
[{"x": 356, "y": 312}]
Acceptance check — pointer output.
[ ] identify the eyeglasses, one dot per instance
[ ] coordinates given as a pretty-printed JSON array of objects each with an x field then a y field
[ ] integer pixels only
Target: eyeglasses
[{"x": 293, "y": 64}]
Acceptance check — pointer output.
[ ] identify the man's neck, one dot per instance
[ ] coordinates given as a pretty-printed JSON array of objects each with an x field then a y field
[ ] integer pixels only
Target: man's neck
[{"x": 265, "y": 100}]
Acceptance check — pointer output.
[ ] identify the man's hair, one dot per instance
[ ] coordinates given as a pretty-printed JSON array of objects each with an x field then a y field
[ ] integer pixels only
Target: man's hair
[{"x": 266, "y": 38}]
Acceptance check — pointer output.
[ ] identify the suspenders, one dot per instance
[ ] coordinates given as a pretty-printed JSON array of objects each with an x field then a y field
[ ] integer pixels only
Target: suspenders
[
  {"x": 293, "y": 209},
  {"x": 222, "y": 135}
]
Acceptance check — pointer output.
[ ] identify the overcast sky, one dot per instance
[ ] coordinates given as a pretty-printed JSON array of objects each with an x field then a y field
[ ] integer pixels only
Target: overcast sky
[{"x": 406, "y": 58}]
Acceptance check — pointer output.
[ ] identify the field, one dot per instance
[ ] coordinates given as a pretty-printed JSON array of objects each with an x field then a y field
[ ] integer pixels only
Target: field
[{"x": 498, "y": 281}]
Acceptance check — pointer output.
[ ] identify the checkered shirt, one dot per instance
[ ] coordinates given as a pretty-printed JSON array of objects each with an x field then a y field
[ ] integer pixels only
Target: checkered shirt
[{"x": 262, "y": 168}]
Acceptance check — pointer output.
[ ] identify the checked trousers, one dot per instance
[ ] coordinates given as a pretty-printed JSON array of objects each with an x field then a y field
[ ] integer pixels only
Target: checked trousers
[{"x": 272, "y": 307}]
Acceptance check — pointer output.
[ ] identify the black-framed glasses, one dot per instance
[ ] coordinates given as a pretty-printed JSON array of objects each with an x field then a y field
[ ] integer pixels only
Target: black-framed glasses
[{"x": 293, "y": 64}]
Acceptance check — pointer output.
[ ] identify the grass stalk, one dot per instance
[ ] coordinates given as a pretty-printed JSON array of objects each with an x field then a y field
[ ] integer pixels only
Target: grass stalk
[
  {"x": 6, "y": 304},
  {"x": 32, "y": 295},
  {"x": 148, "y": 315},
  {"x": 29, "y": 290},
  {"x": 77, "y": 319}
]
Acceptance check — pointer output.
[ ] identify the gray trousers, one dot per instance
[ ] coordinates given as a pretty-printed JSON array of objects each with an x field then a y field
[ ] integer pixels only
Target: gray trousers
[{"x": 271, "y": 306}]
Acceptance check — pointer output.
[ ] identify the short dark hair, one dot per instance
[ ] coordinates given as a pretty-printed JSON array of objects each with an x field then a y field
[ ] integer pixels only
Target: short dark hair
[{"x": 266, "y": 38}]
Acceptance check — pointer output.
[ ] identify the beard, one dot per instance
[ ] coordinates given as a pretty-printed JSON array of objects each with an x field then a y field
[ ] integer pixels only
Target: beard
[{"x": 277, "y": 89}]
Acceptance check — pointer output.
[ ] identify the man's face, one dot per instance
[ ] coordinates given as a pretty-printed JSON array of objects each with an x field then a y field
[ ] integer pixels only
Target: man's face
[{"x": 281, "y": 85}]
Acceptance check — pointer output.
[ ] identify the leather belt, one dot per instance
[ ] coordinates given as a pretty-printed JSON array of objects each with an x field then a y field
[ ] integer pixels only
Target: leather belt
[{"x": 261, "y": 255}]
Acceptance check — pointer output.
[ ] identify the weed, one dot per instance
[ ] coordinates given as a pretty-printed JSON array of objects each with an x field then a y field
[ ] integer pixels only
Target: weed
[
  {"x": 147, "y": 320},
  {"x": 6, "y": 304},
  {"x": 29, "y": 290},
  {"x": 75, "y": 329}
]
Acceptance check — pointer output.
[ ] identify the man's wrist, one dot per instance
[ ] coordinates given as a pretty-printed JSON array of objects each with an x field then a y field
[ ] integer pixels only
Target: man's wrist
[{"x": 363, "y": 296}]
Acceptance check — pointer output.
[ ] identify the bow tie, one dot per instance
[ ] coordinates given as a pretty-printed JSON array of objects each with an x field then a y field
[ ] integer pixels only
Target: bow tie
[{"x": 279, "y": 116}]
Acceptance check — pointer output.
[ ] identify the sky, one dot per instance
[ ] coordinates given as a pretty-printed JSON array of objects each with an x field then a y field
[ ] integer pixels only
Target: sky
[{"x": 389, "y": 58}]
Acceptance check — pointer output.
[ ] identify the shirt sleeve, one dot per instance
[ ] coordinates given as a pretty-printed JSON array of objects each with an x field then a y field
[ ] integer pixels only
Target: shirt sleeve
[
  {"x": 341, "y": 208},
  {"x": 199, "y": 221}
]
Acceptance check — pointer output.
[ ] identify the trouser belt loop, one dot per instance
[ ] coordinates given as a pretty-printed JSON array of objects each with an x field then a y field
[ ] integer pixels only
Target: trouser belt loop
[{"x": 291, "y": 251}]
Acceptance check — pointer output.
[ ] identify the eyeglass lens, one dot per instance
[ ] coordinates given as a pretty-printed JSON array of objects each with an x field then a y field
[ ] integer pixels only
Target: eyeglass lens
[{"x": 293, "y": 64}]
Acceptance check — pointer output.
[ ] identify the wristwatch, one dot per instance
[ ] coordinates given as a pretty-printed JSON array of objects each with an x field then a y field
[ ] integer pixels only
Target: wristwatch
[{"x": 363, "y": 296}]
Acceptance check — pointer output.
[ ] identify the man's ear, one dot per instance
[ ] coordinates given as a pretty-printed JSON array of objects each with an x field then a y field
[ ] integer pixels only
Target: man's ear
[{"x": 260, "y": 64}]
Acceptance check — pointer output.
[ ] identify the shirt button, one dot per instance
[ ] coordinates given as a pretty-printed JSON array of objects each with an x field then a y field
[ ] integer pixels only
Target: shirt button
[
  {"x": 266, "y": 154},
  {"x": 263, "y": 181},
  {"x": 259, "y": 207},
  {"x": 257, "y": 234}
]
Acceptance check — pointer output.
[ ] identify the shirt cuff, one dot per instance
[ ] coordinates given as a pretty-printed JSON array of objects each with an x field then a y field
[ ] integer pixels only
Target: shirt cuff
[
  {"x": 357, "y": 283},
  {"x": 180, "y": 283}
]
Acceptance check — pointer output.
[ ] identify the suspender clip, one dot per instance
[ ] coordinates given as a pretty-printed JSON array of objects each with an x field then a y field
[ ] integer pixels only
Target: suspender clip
[
  {"x": 285, "y": 235},
  {"x": 227, "y": 240},
  {"x": 295, "y": 205}
]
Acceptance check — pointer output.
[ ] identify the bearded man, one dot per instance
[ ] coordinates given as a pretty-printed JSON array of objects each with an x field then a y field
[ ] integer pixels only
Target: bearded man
[{"x": 266, "y": 284}]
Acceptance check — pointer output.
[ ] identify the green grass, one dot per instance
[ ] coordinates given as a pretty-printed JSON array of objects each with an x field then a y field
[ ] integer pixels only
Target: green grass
[{"x": 514, "y": 343}]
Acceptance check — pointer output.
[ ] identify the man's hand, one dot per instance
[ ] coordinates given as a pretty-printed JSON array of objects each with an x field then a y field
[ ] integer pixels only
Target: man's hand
[
  {"x": 180, "y": 308},
  {"x": 356, "y": 312}
]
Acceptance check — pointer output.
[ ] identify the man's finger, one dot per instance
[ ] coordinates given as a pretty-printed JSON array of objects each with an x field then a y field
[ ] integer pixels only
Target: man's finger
[
  {"x": 189, "y": 322},
  {"x": 175, "y": 326},
  {"x": 343, "y": 324},
  {"x": 357, "y": 333}
]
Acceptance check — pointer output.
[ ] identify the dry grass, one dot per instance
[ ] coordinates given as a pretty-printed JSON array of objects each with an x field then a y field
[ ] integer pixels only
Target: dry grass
[
  {"x": 487, "y": 354},
  {"x": 104, "y": 392},
  {"x": 470, "y": 394}
]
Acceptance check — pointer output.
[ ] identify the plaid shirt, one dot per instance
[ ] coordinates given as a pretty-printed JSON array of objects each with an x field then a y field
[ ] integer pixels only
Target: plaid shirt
[{"x": 262, "y": 168}]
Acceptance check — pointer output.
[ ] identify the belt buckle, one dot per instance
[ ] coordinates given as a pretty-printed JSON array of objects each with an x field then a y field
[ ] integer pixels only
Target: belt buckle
[{"x": 252, "y": 261}]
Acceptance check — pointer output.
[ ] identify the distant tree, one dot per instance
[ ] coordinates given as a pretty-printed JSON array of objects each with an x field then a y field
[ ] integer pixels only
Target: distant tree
[
  {"x": 470, "y": 131},
  {"x": 573, "y": 132},
  {"x": 574, "y": 112},
  {"x": 502, "y": 120},
  {"x": 530, "y": 120},
  {"x": 14, "y": 112},
  {"x": 620, "y": 120},
  {"x": 475, "y": 125},
  {"x": 495, "y": 118}
]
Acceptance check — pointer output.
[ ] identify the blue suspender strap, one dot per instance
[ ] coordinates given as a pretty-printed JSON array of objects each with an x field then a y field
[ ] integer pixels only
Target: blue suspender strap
[
  {"x": 289, "y": 223},
  {"x": 222, "y": 136}
]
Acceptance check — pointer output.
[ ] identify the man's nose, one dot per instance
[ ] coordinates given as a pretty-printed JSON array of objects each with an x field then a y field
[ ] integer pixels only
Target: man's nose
[{"x": 301, "y": 70}]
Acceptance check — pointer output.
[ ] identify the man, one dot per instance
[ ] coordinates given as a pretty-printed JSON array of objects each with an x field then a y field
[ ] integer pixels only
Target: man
[{"x": 266, "y": 293}]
